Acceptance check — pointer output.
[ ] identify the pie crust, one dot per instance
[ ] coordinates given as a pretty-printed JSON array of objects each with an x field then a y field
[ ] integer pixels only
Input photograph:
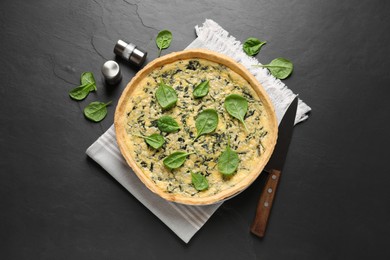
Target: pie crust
[{"x": 126, "y": 144}]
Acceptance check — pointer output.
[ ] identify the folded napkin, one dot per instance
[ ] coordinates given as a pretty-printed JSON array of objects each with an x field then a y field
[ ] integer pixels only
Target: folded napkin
[{"x": 185, "y": 220}]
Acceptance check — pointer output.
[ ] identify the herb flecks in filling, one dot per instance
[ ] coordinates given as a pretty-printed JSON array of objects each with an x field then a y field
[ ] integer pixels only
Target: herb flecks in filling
[{"x": 143, "y": 112}]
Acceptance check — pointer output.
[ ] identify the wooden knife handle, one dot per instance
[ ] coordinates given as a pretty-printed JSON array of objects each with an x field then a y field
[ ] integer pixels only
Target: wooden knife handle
[{"x": 264, "y": 206}]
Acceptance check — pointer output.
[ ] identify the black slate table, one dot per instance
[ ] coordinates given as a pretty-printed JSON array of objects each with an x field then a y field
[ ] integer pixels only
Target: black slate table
[{"x": 334, "y": 198}]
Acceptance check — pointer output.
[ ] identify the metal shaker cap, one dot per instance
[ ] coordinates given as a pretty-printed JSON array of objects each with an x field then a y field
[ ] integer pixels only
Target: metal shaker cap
[
  {"x": 130, "y": 52},
  {"x": 111, "y": 72}
]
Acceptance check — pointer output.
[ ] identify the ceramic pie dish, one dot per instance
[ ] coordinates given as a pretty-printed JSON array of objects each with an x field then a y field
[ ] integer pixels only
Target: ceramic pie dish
[{"x": 139, "y": 110}]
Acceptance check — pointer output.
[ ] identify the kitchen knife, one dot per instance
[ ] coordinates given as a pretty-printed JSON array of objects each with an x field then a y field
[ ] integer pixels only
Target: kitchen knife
[{"x": 274, "y": 168}]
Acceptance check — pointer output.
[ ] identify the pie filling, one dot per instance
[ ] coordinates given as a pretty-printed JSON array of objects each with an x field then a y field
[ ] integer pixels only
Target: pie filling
[{"x": 143, "y": 111}]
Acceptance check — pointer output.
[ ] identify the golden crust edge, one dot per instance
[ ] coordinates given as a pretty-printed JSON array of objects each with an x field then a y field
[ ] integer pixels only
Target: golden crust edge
[{"x": 120, "y": 121}]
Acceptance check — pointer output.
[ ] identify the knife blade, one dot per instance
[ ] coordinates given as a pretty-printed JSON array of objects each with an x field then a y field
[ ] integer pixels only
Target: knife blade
[{"x": 274, "y": 168}]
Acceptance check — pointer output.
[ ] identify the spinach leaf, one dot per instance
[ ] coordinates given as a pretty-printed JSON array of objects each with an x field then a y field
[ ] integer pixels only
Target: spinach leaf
[
  {"x": 175, "y": 160},
  {"x": 167, "y": 124},
  {"x": 96, "y": 111},
  {"x": 280, "y": 68},
  {"x": 81, "y": 92},
  {"x": 252, "y": 46},
  {"x": 163, "y": 40},
  {"x": 237, "y": 106},
  {"x": 228, "y": 161},
  {"x": 88, "y": 84},
  {"x": 166, "y": 96},
  {"x": 202, "y": 89},
  {"x": 156, "y": 141},
  {"x": 199, "y": 181},
  {"x": 88, "y": 78},
  {"x": 206, "y": 122}
]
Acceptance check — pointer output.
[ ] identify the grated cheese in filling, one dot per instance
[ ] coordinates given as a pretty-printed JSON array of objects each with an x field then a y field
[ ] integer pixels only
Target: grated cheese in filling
[{"x": 143, "y": 112}]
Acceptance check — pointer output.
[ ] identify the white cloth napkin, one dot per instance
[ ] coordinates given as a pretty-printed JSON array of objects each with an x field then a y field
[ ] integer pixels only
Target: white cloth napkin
[{"x": 185, "y": 220}]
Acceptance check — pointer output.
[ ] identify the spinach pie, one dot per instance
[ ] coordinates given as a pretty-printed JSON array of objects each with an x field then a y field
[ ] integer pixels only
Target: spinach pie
[{"x": 195, "y": 126}]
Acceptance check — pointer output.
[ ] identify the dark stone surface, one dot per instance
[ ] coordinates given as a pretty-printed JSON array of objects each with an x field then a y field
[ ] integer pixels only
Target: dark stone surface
[{"x": 334, "y": 198}]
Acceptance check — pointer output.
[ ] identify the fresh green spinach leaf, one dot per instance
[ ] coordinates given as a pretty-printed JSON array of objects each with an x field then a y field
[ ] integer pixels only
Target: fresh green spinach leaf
[
  {"x": 167, "y": 124},
  {"x": 280, "y": 68},
  {"x": 81, "y": 92},
  {"x": 199, "y": 181},
  {"x": 252, "y": 46},
  {"x": 228, "y": 161},
  {"x": 175, "y": 160},
  {"x": 96, "y": 111},
  {"x": 202, "y": 89},
  {"x": 206, "y": 122},
  {"x": 88, "y": 78},
  {"x": 166, "y": 96},
  {"x": 88, "y": 84},
  {"x": 156, "y": 141},
  {"x": 237, "y": 107},
  {"x": 163, "y": 40}
]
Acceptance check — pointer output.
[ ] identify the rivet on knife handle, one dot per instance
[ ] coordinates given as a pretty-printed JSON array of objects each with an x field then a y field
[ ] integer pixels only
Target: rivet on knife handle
[{"x": 264, "y": 206}]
